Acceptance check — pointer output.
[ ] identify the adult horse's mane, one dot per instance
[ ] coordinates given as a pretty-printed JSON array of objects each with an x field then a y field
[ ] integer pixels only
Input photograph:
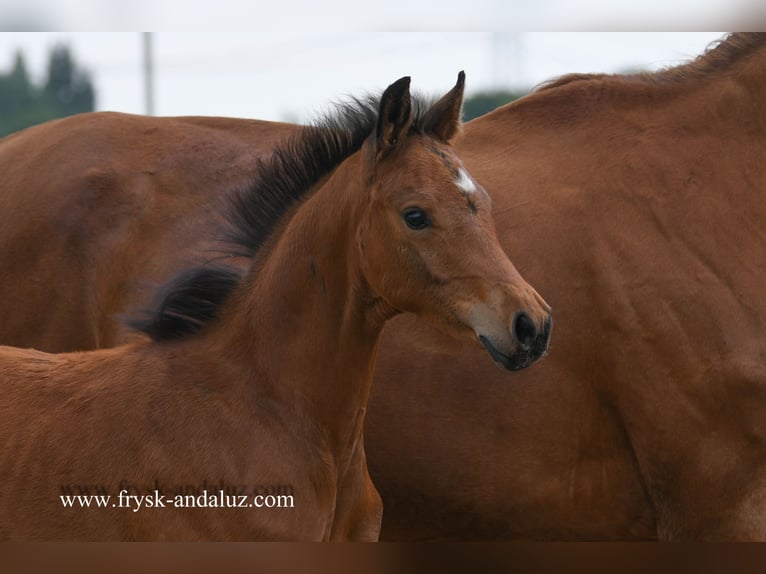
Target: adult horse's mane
[
  {"x": 720, "y": 54},
  {"x": 191, "y": 299}
]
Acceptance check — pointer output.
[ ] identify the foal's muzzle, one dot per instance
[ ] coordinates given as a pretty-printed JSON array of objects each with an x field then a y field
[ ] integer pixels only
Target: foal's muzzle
[{"x": 531, "y": 343}]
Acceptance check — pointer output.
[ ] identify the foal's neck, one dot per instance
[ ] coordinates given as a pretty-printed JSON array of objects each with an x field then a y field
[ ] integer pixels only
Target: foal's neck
[{"x": 306, "y": 325}]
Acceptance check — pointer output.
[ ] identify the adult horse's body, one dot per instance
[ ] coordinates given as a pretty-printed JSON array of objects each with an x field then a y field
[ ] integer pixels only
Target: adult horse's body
[
  {"x": 642, "y": 204},
  {"x": 264, "y": 379},
  {"x": 635, "y": 204},
  {"x": 93, "y": 205}
]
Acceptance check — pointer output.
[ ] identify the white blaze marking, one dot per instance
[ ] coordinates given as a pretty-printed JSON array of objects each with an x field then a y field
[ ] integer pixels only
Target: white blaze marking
[{"x": 464, "y": 182}]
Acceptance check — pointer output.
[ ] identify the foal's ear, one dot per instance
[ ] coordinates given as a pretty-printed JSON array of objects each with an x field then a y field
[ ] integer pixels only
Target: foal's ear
[
  {"x": 443, "y": 119},
  {"x": 395, "y": 114}
]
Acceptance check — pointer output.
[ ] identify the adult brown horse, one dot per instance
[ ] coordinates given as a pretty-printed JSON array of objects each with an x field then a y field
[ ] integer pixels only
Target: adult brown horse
[
  {"x": 265, "y": 380},
  {"x": 120, "y": 210},
  {"x": 634, "y": 203}
]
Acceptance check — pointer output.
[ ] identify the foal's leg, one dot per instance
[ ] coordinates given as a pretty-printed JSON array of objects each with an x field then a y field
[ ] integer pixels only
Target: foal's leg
[{"x": 359, "y": 509}]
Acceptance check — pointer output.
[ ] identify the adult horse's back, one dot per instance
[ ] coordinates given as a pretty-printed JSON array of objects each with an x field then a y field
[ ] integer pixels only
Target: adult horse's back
[
  {"x": 636, "y": 204},
  {"x": 95, "y": 203}
]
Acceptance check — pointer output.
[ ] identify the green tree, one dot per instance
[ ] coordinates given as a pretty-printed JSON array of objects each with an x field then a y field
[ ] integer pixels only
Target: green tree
[
  {"x": 67, "y": 90},
  {"x": 17, "y": 97},
  {"x": 484, "y": 102}
]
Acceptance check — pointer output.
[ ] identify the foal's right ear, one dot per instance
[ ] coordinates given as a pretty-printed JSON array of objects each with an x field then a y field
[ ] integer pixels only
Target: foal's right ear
[{"x": 394, "y": 115}]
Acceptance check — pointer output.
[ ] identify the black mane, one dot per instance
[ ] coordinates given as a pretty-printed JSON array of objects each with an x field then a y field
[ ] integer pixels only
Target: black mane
[
  {"x": 192, "y": 299},
  {"x": 186, "y": 303}
]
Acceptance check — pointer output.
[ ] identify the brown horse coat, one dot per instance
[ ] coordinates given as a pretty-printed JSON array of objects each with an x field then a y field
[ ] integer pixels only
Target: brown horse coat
[
  {"x": 263, "y": 381},
  {"x": 635, "y": 204},
  {"x": 95, "y": 216}
]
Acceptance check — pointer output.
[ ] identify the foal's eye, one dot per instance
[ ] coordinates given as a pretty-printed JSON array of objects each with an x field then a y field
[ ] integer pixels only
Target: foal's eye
[{"x": 416, "y": 218}]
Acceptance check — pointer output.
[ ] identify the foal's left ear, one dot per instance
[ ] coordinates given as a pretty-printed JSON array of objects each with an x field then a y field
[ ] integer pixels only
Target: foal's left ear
[
  {"x": 443, "y": 119},
  {"x": 395, "y": 114}
]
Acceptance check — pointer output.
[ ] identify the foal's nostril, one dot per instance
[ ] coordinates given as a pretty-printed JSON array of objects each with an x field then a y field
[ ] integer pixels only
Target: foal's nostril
[{"x": 524, "y": 329}]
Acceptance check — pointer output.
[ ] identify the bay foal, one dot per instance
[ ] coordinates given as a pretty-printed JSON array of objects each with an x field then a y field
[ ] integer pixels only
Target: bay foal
[{"x": 264, "y": 380}]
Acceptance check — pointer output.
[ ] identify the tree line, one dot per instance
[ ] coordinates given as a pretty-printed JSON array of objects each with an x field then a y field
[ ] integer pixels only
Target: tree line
[
  {"x": 67, "y": 90},
  {"x": 481, "y": 103}
]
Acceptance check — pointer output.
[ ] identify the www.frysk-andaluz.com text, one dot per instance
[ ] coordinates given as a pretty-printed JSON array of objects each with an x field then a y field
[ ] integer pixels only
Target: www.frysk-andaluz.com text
[{"x": 131, "y": 497}]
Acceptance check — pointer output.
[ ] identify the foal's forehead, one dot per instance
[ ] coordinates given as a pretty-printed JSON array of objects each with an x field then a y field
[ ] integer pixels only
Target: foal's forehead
[{"x": 463, "y": 181}]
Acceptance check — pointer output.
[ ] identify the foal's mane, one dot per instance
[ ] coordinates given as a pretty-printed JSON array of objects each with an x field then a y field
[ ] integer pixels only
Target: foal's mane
[
  {"x": 192, "y": 299},
  {"x": 719, "y": 55}
]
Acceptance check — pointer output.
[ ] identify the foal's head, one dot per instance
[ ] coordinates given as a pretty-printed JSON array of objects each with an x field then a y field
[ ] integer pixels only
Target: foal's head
[{"x": 427, "y": 239}]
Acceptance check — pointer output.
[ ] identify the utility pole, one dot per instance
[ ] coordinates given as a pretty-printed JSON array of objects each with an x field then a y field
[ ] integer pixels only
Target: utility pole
[
  {"x": 507, "y": 71},
  {"x": 148, "y": 59}
]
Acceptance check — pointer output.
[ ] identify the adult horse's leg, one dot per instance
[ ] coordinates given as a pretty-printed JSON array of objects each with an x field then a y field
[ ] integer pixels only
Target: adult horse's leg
[{"x": 702, "y": 453}]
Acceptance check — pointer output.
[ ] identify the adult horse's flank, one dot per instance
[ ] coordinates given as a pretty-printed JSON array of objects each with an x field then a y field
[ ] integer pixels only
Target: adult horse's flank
[
  {"x": 262, "y": 381},
  {"x": 98, "y": 208}
]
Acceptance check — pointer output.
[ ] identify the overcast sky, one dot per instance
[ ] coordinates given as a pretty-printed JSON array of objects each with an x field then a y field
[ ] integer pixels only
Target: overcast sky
[{"x": 281, "y": 76}]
